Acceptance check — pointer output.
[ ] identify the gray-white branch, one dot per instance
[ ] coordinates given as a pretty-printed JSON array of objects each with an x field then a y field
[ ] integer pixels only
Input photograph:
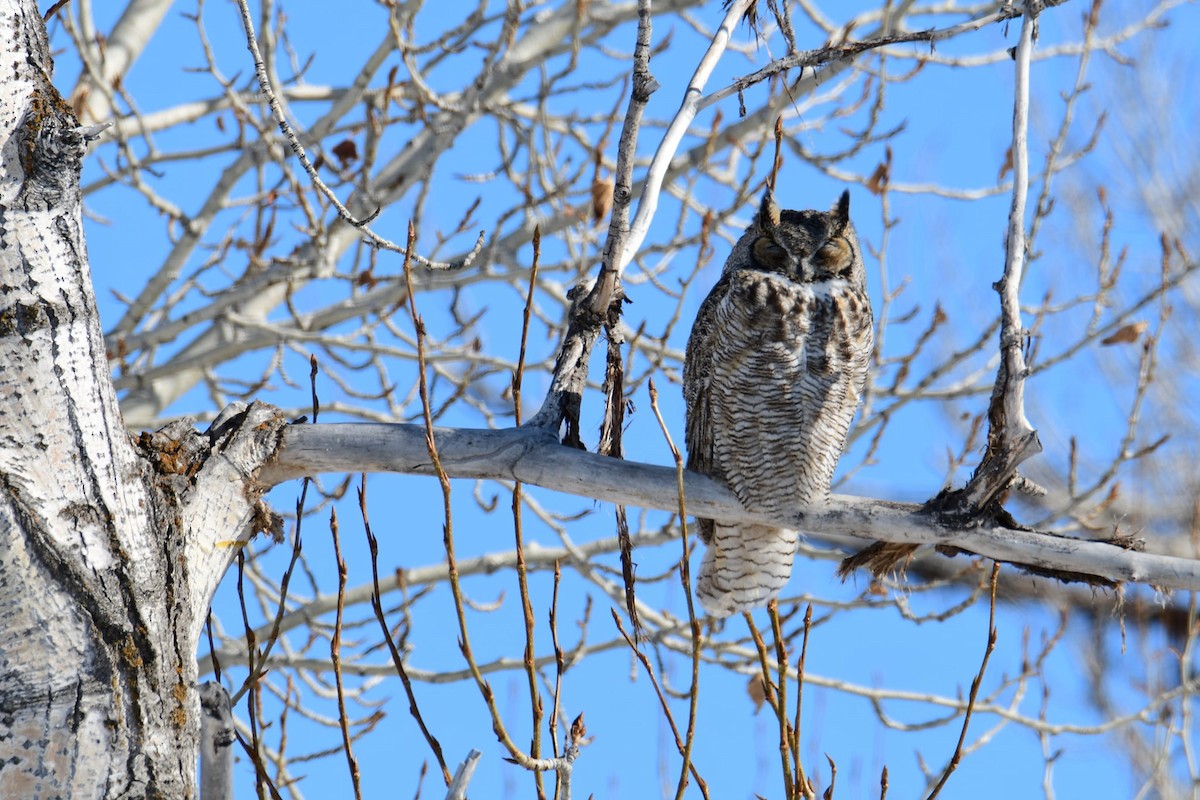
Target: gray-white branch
[{"x": 535, "y": 457}]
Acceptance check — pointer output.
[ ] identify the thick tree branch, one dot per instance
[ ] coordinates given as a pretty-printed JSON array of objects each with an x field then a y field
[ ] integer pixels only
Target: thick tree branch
[
  {"x": 536, "y": 457},
  {"x": 107, "y": 64}
]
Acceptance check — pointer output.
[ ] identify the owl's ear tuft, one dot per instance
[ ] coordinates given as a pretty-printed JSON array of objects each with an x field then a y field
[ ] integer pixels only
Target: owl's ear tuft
[
  {"x": 841, "y": 211},
  {"x": 768, "y": 212}
]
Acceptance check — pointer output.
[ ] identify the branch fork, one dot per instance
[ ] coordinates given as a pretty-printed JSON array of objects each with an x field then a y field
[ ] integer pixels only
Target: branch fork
[{"x": 1012, "y": 440}]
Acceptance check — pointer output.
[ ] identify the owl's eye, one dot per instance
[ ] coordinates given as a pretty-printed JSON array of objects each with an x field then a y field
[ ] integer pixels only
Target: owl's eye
[
  {"x": 768, "y": 252},
  {"x": 833, "y": 256}
]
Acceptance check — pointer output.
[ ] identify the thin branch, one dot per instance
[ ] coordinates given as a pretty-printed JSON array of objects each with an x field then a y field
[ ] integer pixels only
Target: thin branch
[
  {"x": 656, "y": 172},
  {"x": 535, "y": 697},
  {"x": 374, "y": 239},
  {"x": 662, "y": 699},
  {"x": 801, "y": 778},
  {"x": 432, "y": 454},
  {"x": 685, "y": 577},
  {"x": 790, "y": 790},
  {"x": 589, "y": 311},
  {"x": 846, "y": 51},
  {"x": 285, "y": 582},
  {"x": 393, "y": 650},
  {"x": 1011, "y": 439},
  {"x": 987, "y": 654},
  {"x": 335, "y": 655},
  {"x": 457, "y": 790},
  {"x": 618, "y": 242}
]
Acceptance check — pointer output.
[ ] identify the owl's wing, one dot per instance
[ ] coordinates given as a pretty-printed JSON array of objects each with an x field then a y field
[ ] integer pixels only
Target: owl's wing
[
  {"x": 697, "y": 392},
  {"x": 697, "y": 381},
  {"x": 863, "y": 333}
]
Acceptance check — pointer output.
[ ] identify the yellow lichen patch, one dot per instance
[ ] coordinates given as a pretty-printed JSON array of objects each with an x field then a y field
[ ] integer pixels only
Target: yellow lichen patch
[
  {"x": 130, "y": 653},
  {"x": 229, "y": 543},
  {"x": 179, "y": 716}
]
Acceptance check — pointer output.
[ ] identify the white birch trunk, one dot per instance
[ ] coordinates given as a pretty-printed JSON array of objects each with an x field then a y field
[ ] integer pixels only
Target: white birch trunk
[{"x": 109, "y": 549}]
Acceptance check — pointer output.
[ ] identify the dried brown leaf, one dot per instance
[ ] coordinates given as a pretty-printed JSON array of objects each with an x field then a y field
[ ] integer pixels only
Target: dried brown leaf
[
  {"x": 602, "y": 199},
  {"x": 878, "y": 179},
  {"x": 578, "y": 729},
  {"x": 346, "y": 152},
  {"x": 882, "y": 174},
  {"x": 1126, "y": 334},
  {"x": 758, "y": 695},
  {"x": 1007, "y": 166}
]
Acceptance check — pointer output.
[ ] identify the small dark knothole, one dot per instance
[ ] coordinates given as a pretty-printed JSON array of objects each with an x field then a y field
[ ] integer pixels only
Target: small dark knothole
[
  {"x": 173, "y": 452},
  {"x": 51, "y": 149},
  {"x": 20, "y": 319}
]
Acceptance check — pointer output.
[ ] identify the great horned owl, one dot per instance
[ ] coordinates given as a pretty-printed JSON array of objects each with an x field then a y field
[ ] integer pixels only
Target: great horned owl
[{"x": 776, "y": 365}]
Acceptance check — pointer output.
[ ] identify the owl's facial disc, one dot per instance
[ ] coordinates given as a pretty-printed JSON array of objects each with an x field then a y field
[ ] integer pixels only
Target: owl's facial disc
[
  {"x": 804, "y": 245},
  {"x": 834, "y": 257},
  {"x": 769, "y": 254}
]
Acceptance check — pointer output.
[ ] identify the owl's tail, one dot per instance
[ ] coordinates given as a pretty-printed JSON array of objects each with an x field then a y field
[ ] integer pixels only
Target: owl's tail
[{"x": 744, "y": 567}]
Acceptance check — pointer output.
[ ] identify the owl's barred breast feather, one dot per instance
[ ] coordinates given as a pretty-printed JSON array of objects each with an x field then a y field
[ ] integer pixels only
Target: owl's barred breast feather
[
  {"x": 744, "y": 567},
  {"x": 782, "y": 390},
  {"x": 774, "y": 372}
]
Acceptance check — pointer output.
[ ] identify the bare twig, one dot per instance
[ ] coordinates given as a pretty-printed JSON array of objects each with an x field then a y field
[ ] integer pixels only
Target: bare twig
[
  {"x": 254, "y": 747},
  {"x": 845, "y": 51},
  {"x": 485, "y": 689},
  {"x": 393, "y": 650},
  {"x": 297, "y": 548},
  {"x": 535, "y": 697},
  {"x": 987, "y": 654},
  {"x": 780, "y": 706},
  {"x": 680, "y": 745},
  {"x": 686, "y": 579},
  {"x": 801, "y": 778},
  {"x": 559, "y": 662},
  {"x": 335, "y": 655},
  {"x": 264, "y": 83}
]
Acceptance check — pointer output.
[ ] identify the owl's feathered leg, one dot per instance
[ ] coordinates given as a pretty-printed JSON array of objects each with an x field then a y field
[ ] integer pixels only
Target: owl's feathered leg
[{"x": 744, "y": 567}]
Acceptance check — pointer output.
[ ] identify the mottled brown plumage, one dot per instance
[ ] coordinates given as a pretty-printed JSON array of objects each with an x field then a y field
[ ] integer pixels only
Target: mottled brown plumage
[{"x": 776, "y": 365}]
